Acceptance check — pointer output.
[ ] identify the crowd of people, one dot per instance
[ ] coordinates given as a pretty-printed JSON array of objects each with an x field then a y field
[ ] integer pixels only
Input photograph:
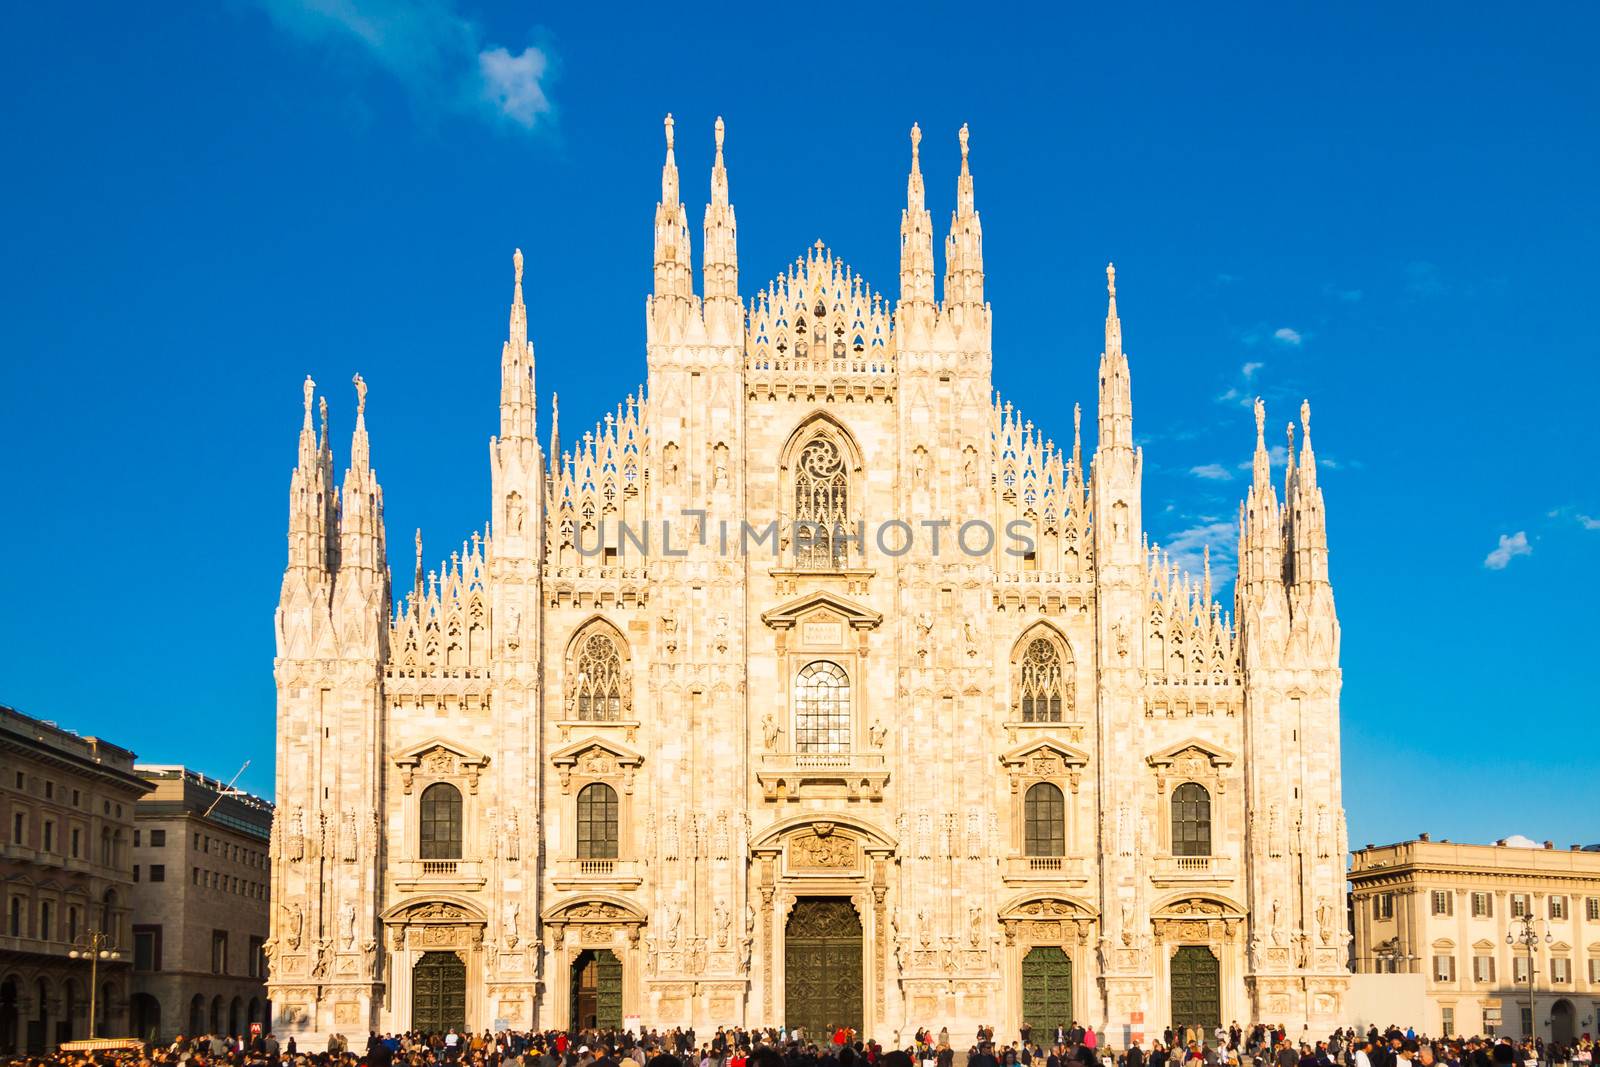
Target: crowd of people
[{"x": 1064, "y": 1046}]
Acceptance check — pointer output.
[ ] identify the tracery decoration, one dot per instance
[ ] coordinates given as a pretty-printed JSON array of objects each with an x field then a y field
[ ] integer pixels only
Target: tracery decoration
[
  {"x": 600, "y": 686},
  {"x": 1044, "y": 685},
  {"x": 821, "y": 505}
]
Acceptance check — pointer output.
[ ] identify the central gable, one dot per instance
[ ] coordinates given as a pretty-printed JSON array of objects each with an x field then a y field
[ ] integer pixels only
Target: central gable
[{"x": 820, "y": 315}]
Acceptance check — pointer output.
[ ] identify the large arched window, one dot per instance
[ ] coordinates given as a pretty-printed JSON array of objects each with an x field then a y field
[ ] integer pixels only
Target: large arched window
[
  {"x": 599, "y": 680},
  {"x": 1191, "y": 820},
  {"x": 1041, "y": 683},
  {"x": 441, "y": 822},
  {"x": 597, "y": 822},
  {"x": 822, "y": 708},
  {"x": 821, "y": 505},
  {"x": 1044, "y": 815}
]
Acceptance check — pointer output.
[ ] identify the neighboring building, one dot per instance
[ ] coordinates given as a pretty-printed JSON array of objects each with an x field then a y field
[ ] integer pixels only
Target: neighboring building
[
  {"x": 66, "y": 874},
  {"x": 825, "y": 782},
  {"x": 200, "y": 904},
  {"x": 1444, "y": 910}
]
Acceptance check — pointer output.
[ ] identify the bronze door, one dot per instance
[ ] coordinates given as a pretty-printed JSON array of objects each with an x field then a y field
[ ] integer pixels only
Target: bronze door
[
  {"x": 439, "y": 993},
  {"x": 597, "y": 990},
  {"x": 1046, "y": 989},
  {"x": 1196, "y": 989},
  {"x": 822, "y": 962}
]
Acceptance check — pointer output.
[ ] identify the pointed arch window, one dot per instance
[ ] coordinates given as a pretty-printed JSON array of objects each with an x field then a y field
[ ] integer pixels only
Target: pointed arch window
[
  {"x": 1044, "y": 814},
  {"x": 597, "y": 822},
  {"x": 821, "y": 505},
  {"x": 440, "y": 837},
  {"x": 1043, "y": 681},
  {"x": 599, "y": 682},
  {"x": 822, "y": 708},
  {"x": 1191, "y": 820}
]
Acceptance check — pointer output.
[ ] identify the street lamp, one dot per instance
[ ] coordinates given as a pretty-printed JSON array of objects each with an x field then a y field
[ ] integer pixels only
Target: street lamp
[
  {"x": 1523, "y": 932},
  {"x": 94, "y": 947}
]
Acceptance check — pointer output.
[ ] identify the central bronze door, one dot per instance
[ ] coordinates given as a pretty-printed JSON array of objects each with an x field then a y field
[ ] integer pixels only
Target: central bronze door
[
  {"x": 822, "y": 959},
  {"x": 1046, "y": 990},
  {"x": 597, "y": 990},
  {"x": 1196, "y": 989},
  {"x": 439, "y": 993}
]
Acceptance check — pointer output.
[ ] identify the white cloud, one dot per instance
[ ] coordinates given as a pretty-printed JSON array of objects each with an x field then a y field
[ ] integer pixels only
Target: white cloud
[
  {"x": 1215, "y": 472},
  {"x": 1187, "y": 549},
  {"x": 437, "y": 53},
  {"x": 1285, "y": 335},
  {"x": 1508, "y": 549},
  {"x": 1277, "y": 455},
  {"x": 512, "y": 83},
  {"x": 1518, "y": 841},
  {"x": 1589, "y": 522},
  {"x": 1249, "y": 370}
]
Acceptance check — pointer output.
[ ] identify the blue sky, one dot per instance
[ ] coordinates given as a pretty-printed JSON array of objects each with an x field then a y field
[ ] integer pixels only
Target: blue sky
[{"x": 1390, "y": 209}]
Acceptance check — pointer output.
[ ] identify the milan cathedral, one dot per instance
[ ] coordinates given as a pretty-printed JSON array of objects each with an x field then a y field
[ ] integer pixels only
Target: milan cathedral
[{"x": 683, "y": 736}]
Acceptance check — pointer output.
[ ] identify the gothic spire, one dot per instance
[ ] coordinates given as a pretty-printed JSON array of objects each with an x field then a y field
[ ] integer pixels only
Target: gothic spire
[
  {"x": 311, "y": 509},
  {"x": 963, "y": 248},
  {"x": 673, "y": 280},
  {"x": 555, "y": 430},
  {"x": 721, "y": 285},
  {"x": 518, "y": 416},
  {"x": 361, "y": 541},
  {"x": 916, "y": 237},
  {"x": 1116, "y": 391}
]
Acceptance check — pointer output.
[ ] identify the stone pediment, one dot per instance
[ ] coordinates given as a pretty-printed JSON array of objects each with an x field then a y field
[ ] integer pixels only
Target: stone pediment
[
  {"x": 592, "y": 747},
  {"x": 594, "y": 757},
  {"x": 1035, "y": 753},
  {"x": 818, "y": 603},
  {"x": 1034, "y": 907},
  {"x": 1484, "y": 945},
  {"x": 1199, "y": 908},
  {"x": 440, "y": 758},
  {"x": 1191, "y": 752},
  {"x": 592, "y": 908},
  {"x": 432, "y": 911}
]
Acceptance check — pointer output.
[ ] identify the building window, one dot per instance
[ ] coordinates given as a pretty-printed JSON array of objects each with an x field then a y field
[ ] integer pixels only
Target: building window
[
  {"x": 256, "y": 961},
  {"x": 147, "y": 948},
  {"x": 1520, "y": 905},
  {"x": 599, "y": 679},
  {"x": 158, "y": 872},
  {"x": 1491, "y": 1020},
  {"x": 1044, "y": 820},
  {"x": 136, "y": 839},
  {"x": 1482, "y": 906},
  {"x": 822, "y": 708},
  {"x": 46, "y": 921},
  {"x": 77, "y": 842},
  {"x": 1483, "y": 968},
  {"x": 597, "y": 822},
  {"x": 441, "y": 822},
  {"x": 72, "y": 924},
  {"x": 135, "y": 872},
  {"x": 1444, "y": 968},
  {"x": 1447, "y": 1020},
  {"x": 1440, "y": 900},
  {"x": 1519, "y": 969},
  {"x": 219, "y": 952},
  {"x": 1191, "y": 820},
  {"x": 1527, "y": 1020},
  {"x": 48, "y": 838},
  {"x": 1594, "y": 968},
  {"x": 1560, "y": 969},
  {"x": 1383, "y": 906},
  {"x": 19, "y": 827},
  {"x": 821, "y": 505},
  {"x": 1591, "y": 909},
  {"x": 75, "y": 801},
  {"x": 16, "y": 917},
  {"x": 49, "y": 790},
  {"x": 21, "y": 780},
  {"x": 1558, "y": 907},
  {"x": 1041, "y": 682},
  {"x": 158, "y": 839}
]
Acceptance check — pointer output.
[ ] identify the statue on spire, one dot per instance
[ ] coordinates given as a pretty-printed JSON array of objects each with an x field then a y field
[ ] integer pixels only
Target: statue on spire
[
  {"x": 962, "y": 136},
  {"x": 1261, "y": 423},
  {"x": 668, "y": 124},
  {"x": 516, "y": 263},
  {"x": 310, "y": 389},
  {"x": 361, "y": 395}
]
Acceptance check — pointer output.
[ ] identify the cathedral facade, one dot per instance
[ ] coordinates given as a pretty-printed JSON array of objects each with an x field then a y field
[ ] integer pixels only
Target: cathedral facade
[{"x": 816, "y": 686}]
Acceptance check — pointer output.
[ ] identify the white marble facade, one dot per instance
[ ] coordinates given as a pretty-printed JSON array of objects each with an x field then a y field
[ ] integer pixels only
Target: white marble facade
[{"x": 806, "y": 718}]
